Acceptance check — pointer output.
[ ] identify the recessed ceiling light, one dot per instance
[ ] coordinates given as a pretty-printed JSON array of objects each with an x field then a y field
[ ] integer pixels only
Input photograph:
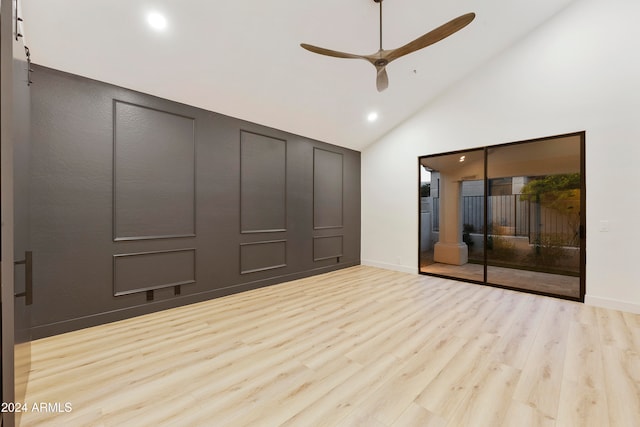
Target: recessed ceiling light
[
  {"x": 157, "y": 21},
  {"x": 372, "y": 117}
]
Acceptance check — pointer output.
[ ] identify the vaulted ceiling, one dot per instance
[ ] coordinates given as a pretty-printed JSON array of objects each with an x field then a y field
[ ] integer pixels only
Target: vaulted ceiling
[{"x": 242, "y": 58}]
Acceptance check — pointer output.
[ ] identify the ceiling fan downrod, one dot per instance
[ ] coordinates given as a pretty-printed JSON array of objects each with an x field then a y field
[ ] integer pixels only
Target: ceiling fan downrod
[{"x": 380, "y": 1}]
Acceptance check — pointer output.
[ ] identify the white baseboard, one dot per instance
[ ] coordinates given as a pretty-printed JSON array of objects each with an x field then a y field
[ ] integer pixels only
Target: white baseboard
[
  {"x": 612, "y": 303},
  {"x": 386, "y": 266}
]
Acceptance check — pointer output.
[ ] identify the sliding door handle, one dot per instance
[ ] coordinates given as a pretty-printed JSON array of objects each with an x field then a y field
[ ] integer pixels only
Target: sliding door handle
[{"x": 28, "y": 278}]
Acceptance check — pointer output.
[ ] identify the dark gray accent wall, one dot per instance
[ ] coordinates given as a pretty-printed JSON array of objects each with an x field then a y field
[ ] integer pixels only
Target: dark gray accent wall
[
  {"x": 261, "y": 256},
  {"x": 327, "y": 247},
  {"x": 127, "y": 188},
  {"x": 328, "y": 192},
  {"x": 145, "y": 271},
  {"x": 263, "y": 183},
  {"x": 154, "y": 173}
]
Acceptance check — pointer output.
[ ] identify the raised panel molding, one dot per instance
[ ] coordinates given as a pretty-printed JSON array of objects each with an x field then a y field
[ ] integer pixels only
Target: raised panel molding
[
  {"x": 328, "y": 189},
  {"x": 145, "y": 271},
  {"x": 263, "y": 183},
  {"x": 327, "y": 247},
  {"x": 153, "y": 173},
  {"x": 261, "y": 256}
]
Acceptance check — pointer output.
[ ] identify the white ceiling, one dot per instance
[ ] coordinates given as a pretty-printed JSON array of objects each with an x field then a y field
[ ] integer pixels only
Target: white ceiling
[{"x": 242, "y": 57}]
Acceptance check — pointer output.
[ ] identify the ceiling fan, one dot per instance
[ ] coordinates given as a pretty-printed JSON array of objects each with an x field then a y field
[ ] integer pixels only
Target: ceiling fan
[{"x": 382, "y": 57}]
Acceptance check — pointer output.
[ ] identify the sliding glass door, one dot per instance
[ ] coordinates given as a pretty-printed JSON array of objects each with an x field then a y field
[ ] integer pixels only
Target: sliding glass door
[{"x": 509, "y": 215}]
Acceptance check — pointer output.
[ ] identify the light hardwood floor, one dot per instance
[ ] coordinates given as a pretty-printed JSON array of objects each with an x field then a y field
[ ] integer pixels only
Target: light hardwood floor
[{"x": 356, "y": 347}]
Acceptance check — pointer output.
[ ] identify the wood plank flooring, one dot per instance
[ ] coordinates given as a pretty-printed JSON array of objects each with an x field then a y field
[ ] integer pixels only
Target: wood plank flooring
[{"x": 356, "y": 347}]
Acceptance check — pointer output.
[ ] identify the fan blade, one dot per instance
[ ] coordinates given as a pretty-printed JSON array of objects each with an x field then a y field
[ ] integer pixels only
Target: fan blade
[
  {"x": 382, "y": 81},
  {"x": 329, "y": 52},
  {"x": 432, "y": 36}
]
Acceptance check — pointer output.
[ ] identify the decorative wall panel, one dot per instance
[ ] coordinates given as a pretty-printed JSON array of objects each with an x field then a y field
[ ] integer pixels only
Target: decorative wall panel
[
  {"x": 114, "y": 171},
  {"x": 139, "y": 272},
  {"x": 260, "y": 256},
  {"x": 327, "y": 247},
  {"x": 263, "y": 183},
  {"x": 327, "y": 189},
  {"x": 154, "y": 173}
]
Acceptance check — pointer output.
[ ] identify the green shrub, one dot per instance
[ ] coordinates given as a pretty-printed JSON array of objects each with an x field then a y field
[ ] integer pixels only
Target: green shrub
[
  {"x": 425, "y": 190},
  {"x": 467, "y": 229},
  {"x": 548, "y": 251},
  {"x": 501, "y": 248}
]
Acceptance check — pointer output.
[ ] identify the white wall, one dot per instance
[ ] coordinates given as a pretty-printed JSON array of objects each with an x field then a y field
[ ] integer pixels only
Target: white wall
[{"x": 579, "y": 71}]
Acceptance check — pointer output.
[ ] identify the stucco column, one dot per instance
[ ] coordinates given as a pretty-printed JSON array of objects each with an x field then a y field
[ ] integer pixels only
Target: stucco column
[{"x": 450, "y": 248}]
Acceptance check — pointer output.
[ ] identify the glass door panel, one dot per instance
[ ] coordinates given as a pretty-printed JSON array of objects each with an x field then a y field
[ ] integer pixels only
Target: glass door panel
[
  {"x": 452, "y": 215},
  {"x": 534, "y": 216}
]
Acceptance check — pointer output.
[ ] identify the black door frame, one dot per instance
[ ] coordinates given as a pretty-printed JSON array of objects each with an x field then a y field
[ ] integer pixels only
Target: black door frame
[{"x": 582, "y": 227}]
